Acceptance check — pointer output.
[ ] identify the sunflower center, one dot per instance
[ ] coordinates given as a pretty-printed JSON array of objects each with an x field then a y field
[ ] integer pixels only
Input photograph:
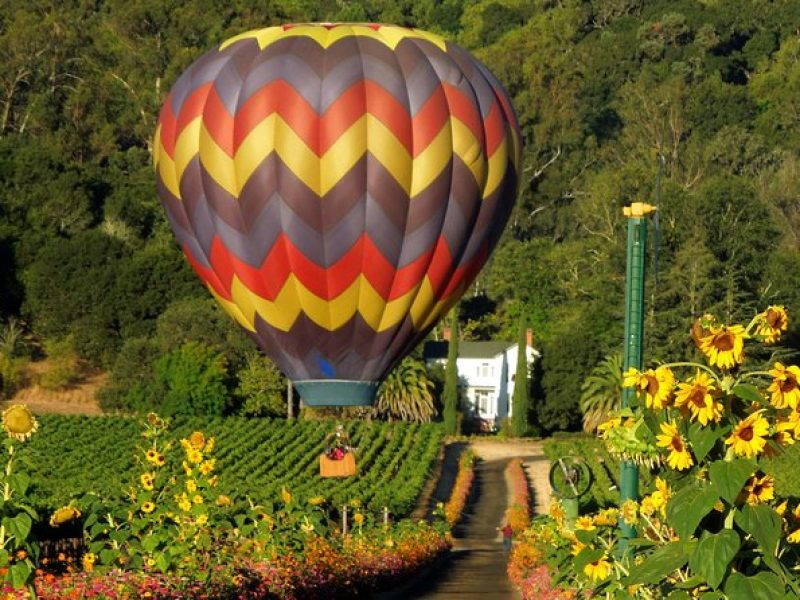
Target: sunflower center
[
  {"x": 697, "y": 397},
  {"x": 652, "y": 385},
  {"x": 789, "y": 384},
  {"x": 773, "y": 319},
  {"x": 677, "y": 444},
  {"x": 723, "y": 341},
  {"x": 747, "y": 433},
  {"x": 758, "y": 489}
]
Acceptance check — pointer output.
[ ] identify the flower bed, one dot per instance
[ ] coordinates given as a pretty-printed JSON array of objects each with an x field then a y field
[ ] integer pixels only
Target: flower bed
[
  {"x": 461, "y": 488},
  {"x": 518, "y": 513},
  {"x": 351, "y": 567}
]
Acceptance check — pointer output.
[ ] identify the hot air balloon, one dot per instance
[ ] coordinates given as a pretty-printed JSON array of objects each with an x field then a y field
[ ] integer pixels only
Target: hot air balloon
[{"x": 337, "y": 187}]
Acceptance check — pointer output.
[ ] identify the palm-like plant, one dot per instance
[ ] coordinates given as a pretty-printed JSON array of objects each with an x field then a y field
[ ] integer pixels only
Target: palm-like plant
[
  {"x": 406, "y": 393},
  {"x": 601, "y": 393}
]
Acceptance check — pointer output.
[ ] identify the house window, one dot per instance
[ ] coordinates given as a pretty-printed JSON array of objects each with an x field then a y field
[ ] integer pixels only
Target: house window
[
  {"x": 483, "y": 400},
  {"x": 485, "y": 370}
]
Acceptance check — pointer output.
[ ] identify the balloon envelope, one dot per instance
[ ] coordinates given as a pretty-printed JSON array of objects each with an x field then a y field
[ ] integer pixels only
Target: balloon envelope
[{"x": 337, "y": 188}]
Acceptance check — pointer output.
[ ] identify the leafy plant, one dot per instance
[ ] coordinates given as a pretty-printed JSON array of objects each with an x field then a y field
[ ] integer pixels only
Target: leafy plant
[
  {"x": 601, "y": 391},
  {"x": 406, "y": 393}
]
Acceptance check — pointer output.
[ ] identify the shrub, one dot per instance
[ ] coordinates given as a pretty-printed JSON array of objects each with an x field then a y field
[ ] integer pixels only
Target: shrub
[
  {"x": 261, "y": 388},
  {"x": 64, "y": 368},
  {"x": 191, "y": 381}
]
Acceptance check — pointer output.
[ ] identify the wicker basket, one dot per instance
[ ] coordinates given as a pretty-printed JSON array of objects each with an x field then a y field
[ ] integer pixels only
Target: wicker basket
[{"x": 337, "y": 468}]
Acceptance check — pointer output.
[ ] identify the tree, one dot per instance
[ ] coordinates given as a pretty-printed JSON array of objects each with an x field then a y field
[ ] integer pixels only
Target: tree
[
  {"x": 261, "y": 388},
  {"x": 405, "y": 394},
  {"x": 191, "y": 380},
  {"x": 520, "y": 404},
  {"x": 451, "y": 424}
]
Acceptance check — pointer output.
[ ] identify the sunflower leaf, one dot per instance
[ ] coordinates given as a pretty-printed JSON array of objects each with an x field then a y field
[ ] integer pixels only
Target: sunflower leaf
[
  {"x": 713, "y": 555},
  {"x": 689, "y": 506},
  {"x": 748, "y": 393},
  {"x": 763, "y": 586},
  {"x": 730, "y": 477},
  {"x": 764, "y": 524},
  {"x": 660, "y": 563},
  {"x": 703, "y": 438}
]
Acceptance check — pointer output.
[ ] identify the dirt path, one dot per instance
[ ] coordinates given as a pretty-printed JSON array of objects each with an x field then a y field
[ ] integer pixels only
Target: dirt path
[{"x": 476, "y": 566}]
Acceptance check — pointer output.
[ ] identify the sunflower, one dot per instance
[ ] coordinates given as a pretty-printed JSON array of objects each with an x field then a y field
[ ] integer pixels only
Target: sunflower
[
  {"x": 772, "y": 323},
  {"x": 148, "y": 507},
  {"x": 208, "y": 466},
  {"x": 784, "y": 388},
  {"x": 724, "y": 346},
  {"x": 65, "y": 514},
  {"x": 598, "y": 570},
  {"x": 195, "y": 456},
  {"x": 88, "y": 561},
  {"x": 749, "y": 436},
  {"x": 661, "y": 496},
  {"x": 209, "y": 445},
  {"x": 19, "y": 422},
  {"x": 285, "y": 495},
  {"x": 147, "y": 481},
  {"x": 607, "y": 517},
  {"x": 197, "y": 499},
  {"x": 223, "y": 500},
  {"x": 191, "y": 486},
  {"x": 648, "y": 506},
  {"x": 679, "y": 457},
  {"x": 630, "y": 512},
  {"x": 556, "y": 511},
  {"x": 698, "y": 397},
  {"x": 655, "y": 384},
  {"x": 316, "y": 501},
  {"x": 604, "y": 428},
  {"x": 794, "y": 537},
  {"x": 585, "y": 523},
  {"x": 202, "y": 520},
  {"x": 358, "y": 518},
  {"x": 758, "y": 490},
  {"x": 197, "y": 440}
]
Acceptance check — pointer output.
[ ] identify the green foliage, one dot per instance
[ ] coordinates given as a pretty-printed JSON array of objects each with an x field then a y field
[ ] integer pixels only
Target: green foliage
[
  {"x": 131, "y": 374},
  {"x": 11, "y": 374},
  {"x": 191, "y": 380},
  {"x": 262, "y": 388},
  {"x": 520, "y": 403},
  {"x": 451, "y": 393},
  {"x": 406, "y": 393}
]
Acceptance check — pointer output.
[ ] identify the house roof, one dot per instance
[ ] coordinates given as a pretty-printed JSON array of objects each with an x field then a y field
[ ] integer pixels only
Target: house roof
[{"x": 438, "y": 350}]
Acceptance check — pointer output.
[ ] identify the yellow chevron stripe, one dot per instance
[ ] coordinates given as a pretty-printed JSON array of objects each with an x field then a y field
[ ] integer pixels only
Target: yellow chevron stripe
[
  {"x": 390, "y": 36},
  {"x": 429, "y": 163},
  {"x": 156, "y": 145},
  {"x": 468, "y": 149},
  {"x": 166, "y": 170},
  {"x": 498, "y": 165},
  {"x": 321, "y": 174},
  {"x": 294, "y": 299},
  {"x": 187, "y": 145},
  {"x": 233, "y": 310}
]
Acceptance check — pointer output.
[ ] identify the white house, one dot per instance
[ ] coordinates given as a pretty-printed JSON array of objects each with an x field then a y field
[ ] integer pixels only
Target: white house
[{"x": 486, "y": 372}]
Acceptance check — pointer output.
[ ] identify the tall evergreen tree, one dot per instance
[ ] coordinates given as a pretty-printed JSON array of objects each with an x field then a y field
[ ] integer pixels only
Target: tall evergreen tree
[
  {"x": 451, "y": 378},
  {"x": 519, "y": 413}
]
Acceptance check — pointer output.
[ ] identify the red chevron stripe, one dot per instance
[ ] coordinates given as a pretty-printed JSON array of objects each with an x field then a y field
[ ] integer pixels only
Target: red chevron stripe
[
  {"x": 464, "y": 109},
  {"x": 209, "y": 276},
  {"x": 193, "y": 107},
  {"x": 284, "y": 259},
  {"x": 167, "y": 121},
  {"x": 495, "y": 128},
  {"x": 465, "y": 274}
]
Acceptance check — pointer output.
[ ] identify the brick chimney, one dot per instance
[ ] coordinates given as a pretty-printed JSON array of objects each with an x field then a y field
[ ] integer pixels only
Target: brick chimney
[
  {"x": 529, "y": 336},
  {"x": 446, "y": 334}
]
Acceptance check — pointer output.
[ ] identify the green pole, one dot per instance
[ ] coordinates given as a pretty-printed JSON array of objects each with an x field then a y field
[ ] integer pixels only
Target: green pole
[{"x": 634, "y": 339}]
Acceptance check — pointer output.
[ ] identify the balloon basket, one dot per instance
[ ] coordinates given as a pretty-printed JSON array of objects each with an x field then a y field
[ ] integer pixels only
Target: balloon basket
[{"x": 337, "y": 468}]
